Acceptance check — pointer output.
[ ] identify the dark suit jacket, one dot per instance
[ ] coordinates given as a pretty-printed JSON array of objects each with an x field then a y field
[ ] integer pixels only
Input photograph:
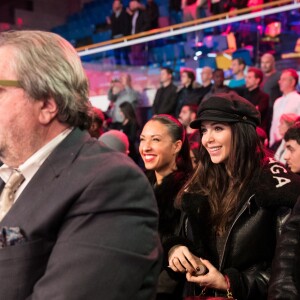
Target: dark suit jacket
[
  {"x": 260, "y": 100},
  {"x": 120, "y": 26},
  {"x": 90, "y": 219},
  {"x": 165, "y": 100},
  {"x": 143, "y": 22}
]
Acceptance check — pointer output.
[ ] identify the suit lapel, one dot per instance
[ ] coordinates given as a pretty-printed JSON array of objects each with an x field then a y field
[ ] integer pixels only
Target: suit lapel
[{"x": 45, "y": 183}]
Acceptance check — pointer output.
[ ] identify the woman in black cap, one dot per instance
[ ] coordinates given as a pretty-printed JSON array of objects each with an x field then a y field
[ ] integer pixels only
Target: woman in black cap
[{"x": 233, "y": 203}]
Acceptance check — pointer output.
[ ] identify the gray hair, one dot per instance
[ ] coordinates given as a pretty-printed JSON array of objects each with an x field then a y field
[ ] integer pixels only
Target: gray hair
[{"x": 47, "y": 66}]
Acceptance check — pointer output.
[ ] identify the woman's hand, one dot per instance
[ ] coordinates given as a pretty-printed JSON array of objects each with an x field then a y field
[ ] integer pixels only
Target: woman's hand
[
  {"x": 182, "y": 260},
  {"x": 213, "y": 279}
]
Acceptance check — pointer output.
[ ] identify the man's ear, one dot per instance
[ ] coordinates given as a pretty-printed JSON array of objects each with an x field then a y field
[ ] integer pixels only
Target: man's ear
[{"x": 48, "y": 111}]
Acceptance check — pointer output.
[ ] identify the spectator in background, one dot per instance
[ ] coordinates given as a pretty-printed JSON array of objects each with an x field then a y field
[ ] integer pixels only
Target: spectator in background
[
  {"x": 292, "y": 145},
  {"x": 238, "y": 68},
  {"x": 96, "y": 128},
  {"x": 165, "y": 152},
  {"x": 120, "y": 91},
  {"x": 288, "y": 103},
  {"x": 206, "y": 84},
  {"x": 115, "y": 140},
  {"x": 153, "y": 13},
  {"x": 218, "y": 86},
  {"x": 119, "y": 21},
  {"x": 193, "y": 10},
  {"x": 188, "y": 114},
  {"x": 166, "y": 96},
  {"x": 130, "y": 127},
  {"x": 257, "y": 97},
  {"x": 270, "y": 84},
  {"x": 120, "y": 26},
  {"x": 194, "y": 153},
  {"x": 186, "y": 94},
  {"x": 286, "y": 121},
  {"x": 140, "y": 22}
]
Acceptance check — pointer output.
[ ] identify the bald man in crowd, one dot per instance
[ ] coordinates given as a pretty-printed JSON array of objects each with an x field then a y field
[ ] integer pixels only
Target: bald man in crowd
[{"x": 270, "y": 84}]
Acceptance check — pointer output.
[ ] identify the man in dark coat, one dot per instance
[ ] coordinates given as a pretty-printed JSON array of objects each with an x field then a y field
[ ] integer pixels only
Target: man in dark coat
[
  {"x": 82, "y": 224},
  {"x": 187, "y": 94},
  {"x": 119, "y": 21},
  {"x": 255, "y": 95},
  {"x": 206, "y": 84},
  {"x": 120, "y": 24},
  {"x": 140, "y": 22},
  {"x": 165, "y": 97}
]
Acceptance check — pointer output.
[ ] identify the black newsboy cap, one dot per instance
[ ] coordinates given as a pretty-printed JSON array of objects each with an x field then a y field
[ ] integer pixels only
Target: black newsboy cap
[{"x": 227, "y": 107}]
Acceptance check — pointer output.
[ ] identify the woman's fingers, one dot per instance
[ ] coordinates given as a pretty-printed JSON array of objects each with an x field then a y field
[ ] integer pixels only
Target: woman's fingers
[
  {"x": 179, "y": 260},
  {"x": 178, "y": 264},
  {"x": 200, "y": 280}
]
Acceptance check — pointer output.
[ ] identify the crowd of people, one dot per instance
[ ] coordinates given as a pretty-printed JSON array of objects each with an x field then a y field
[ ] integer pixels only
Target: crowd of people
[
  {"x": 273, "y": 93},
  {"x": 142, "y": 16},
  {"x": 233, "y": 172},
  {"x": 206, "y": 211}
]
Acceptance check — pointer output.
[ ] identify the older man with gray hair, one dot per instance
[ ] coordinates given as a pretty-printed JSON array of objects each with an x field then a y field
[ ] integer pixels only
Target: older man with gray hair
[{"x": 72, "y": 211}]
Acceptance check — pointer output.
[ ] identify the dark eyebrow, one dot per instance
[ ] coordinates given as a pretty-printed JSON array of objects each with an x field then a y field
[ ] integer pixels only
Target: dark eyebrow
[{"x": 159, "y": 135}]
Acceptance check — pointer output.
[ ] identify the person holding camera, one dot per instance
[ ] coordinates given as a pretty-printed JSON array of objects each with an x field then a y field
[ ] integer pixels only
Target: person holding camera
[
  {"x": 233, "y": 203},
  {"x": 120, "y": 91}
]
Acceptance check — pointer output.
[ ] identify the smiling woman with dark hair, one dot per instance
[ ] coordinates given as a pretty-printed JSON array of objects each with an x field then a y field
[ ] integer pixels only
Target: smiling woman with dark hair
[
  {"x": 165, "y": 151},
  {"x": 232, "y": 204}
]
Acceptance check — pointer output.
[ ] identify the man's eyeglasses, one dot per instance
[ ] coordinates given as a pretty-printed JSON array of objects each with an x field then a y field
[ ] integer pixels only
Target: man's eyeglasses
[{"x": 14, "y": 83}]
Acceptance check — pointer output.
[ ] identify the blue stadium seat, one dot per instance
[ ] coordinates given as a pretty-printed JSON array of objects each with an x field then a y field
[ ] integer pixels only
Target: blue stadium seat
[
  {"x": 205, "y": 61},
  {"x": 244, "y": 54}
]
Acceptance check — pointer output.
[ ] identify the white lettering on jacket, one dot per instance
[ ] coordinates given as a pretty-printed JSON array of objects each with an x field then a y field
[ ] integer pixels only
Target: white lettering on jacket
[{"x": 278, "y": 169}]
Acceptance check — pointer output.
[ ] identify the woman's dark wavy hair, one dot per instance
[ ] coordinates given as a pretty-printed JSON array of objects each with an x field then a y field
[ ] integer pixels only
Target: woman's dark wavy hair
[
  {"x": 128, "y": 111},
  {"x": 177, "y": 132},
  {"x": 224, "y": 185}
]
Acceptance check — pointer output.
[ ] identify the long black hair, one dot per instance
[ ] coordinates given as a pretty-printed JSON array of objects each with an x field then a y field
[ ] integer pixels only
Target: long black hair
[
  {"x": 129, "y": 112},
  {"x": 224, "y": 184}
]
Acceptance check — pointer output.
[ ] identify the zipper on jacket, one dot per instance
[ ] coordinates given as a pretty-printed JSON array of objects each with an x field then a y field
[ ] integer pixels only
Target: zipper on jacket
[{"x": 245, "y": 206}]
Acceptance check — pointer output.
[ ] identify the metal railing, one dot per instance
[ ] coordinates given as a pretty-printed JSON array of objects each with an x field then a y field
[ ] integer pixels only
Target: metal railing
[{"x": 199, "y": 24}]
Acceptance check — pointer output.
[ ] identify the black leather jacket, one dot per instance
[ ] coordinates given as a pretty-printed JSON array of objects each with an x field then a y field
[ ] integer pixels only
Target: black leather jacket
[
  {"x": 251, "y": 239},
  {"x": 285, "y": 277}
]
